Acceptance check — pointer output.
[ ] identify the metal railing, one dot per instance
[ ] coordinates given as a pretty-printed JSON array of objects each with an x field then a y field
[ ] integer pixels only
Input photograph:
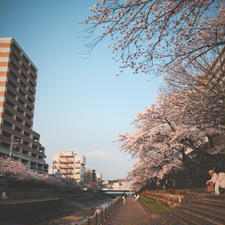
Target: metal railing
[{"x": 101, "y": 215}]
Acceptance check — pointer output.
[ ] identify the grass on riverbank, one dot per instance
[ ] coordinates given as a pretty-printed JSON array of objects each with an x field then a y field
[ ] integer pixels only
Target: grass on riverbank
[{"x": 154, "y": 205}]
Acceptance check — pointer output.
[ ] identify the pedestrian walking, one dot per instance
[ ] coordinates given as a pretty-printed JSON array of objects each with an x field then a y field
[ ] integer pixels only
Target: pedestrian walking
[
  {"x": 124, "y": 198},
  {"x": 137, "y": 197}
]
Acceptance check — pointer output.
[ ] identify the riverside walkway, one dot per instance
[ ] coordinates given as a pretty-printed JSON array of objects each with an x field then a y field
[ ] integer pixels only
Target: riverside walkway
[{"x": 132, "y": 213}]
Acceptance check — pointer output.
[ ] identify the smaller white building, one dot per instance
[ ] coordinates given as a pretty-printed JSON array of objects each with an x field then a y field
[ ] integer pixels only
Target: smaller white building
[
  {"x": 69, "y": 165},
  {"x": 98, "y": 177}
]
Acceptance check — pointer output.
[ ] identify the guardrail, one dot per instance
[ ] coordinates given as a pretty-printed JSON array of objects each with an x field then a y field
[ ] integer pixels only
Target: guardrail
[{"x": 101, "y": 215}]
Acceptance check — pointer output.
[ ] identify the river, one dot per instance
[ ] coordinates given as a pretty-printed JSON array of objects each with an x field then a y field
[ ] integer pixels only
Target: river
[{"x": 82, "y": 208}]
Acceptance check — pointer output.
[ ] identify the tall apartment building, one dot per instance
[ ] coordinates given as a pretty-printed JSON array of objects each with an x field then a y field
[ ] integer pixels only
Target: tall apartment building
[
  {"x": 70, "y": 165},
  {"x": 18, "y": 76}
]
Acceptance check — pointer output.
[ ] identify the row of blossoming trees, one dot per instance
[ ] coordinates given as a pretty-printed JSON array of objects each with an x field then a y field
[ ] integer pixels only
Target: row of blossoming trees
[
  {"x": 182, "y": 41},
  {"x": 16, "y": 174},
  {"x": 183, "y": 131}
]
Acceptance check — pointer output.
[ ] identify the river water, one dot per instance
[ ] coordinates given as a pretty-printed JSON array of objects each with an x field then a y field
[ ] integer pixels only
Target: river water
[{"x": 84, "y": 208}]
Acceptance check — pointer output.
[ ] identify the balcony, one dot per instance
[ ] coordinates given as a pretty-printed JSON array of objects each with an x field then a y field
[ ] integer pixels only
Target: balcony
[
  {"x": 66, "y": 173},
  {"x": 65, "y": 161},
  {"x": 65, "y": 167}
]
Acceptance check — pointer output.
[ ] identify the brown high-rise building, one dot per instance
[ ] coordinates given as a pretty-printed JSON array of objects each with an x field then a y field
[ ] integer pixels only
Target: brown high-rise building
[{"x": 18, "y": 77}]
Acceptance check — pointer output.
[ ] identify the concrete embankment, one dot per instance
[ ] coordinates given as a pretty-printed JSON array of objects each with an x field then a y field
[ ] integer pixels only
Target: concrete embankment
[{"x": 34, "y": 211}]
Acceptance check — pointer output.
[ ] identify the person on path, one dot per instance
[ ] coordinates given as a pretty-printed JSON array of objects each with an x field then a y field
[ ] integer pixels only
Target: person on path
[
  {"x": 217, "y": 179},
  {"x": 124, "y": 198},
  {"x": 137, "y": 197}
]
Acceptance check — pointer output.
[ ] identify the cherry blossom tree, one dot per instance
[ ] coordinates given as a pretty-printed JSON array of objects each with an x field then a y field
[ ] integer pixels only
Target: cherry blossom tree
[
  {"x": 152, "y": 35},
  {"x": 188, "y": 113},
  {"x": 14, "y": 169},
  {"x": 202, "y": 89}
]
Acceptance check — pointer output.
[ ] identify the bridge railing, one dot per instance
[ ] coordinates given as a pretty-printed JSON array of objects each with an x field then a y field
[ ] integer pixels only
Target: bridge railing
[{"x": 101, "y": 215}]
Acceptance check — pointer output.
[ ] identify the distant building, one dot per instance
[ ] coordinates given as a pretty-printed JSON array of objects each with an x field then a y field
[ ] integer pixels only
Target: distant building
[
  {"x": 18, "y": 79},
  {"x": 98, "y": 177},
  {"x": 118, "y": 184},
  {"x": 57, "y": 174},
  {"x": 69, "y": 165},
  {"x": 89, "y": 175}
]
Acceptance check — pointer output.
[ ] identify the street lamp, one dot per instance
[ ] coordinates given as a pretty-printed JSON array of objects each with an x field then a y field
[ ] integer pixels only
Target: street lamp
[{"x": 14, "y": 141}]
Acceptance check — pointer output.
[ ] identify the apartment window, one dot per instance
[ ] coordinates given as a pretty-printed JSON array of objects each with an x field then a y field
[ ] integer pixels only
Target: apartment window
[
  {"x": 46, "y": 166},
  {"x": 13, "y": 75},
  {"x": 34, "y": 155},
  {"x": 39, "y": 166},
  {"x": 8, "y": 113},
  {"x": 25, "y": 143},
  {"x": 25, "y": 59},
  {"x": 34, "y": 70},
  {"x": 15, "y": 57},
  {"x": 16, "y": 48},
  {"x": 17, "y": 149},
  {"x": 35, "y": 147},
  {"x": 24, "y": 76},
  {"x": 24, "y": 152},
  {"x": 6, "y": 145},
  {"x": 21, "y": 82},
  {"x": 31, "y": 92},
  {"x": 26, "y": 134},
  {"x": 12, "y": 84},
  {"x": 41, "y": 149},
  {"x": 19, "y": 120},
  {"x": 18, "y": 129},
  {"x": 31, "y": 83},
  {"x": 8, "y": 124},
  {"x": 28, "y": 116},
  {"x": 29, "y": 108},
  {"x": 33, "y": 165},
  {"x": 24, "y": 67},
  {"x": 20, "y": 101},
  {"x": 30, "y": 100},
  {"x": 32, "y": 76},
  {"x": 11, "y": 93},
  {"x": 9, "y": 103},
  {"x": 22, "y": 93},
  {"x": 15, "y": 67},
  {"x": 35, "y": 138},
  {"x": 6, "y": 134},
  {"x": 27, "y": 125},
  {"x": 20, "y": 110}
]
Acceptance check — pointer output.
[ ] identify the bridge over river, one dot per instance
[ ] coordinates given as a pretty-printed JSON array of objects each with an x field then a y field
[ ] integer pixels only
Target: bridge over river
[{"x": 118, "y": 192}]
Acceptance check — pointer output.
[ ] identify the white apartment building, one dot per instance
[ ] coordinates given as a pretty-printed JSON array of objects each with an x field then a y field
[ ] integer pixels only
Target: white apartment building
[{"x": 70, "y": 165}]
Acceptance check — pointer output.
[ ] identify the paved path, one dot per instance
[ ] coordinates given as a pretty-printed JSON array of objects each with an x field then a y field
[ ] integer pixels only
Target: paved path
[{"x": 130, "y": 213}]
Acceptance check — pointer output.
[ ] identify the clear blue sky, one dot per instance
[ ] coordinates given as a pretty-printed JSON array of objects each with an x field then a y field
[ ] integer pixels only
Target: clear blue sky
[{"x": 80, "y": 104}]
